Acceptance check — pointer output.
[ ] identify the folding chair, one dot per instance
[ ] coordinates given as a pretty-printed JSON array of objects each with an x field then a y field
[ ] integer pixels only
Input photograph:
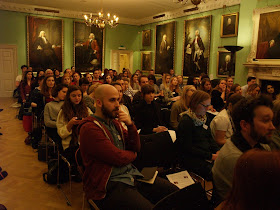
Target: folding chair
[
  {"x": 191, "y": 197},
  {"x": 81, "y": 170}
]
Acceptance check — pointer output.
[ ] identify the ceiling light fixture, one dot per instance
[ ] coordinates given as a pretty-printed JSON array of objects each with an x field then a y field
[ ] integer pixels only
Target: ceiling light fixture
[
  {"x": 101, "y": 21},
  {"x": 194, "y": 2}
]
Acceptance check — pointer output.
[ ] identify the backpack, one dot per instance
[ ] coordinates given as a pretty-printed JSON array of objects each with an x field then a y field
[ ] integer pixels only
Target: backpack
[{"x": 50, "y": 177}]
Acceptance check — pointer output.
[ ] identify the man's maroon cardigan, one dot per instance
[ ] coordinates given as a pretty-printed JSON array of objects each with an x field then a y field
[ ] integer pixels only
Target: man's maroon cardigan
[{"x": 99, "y": 154}]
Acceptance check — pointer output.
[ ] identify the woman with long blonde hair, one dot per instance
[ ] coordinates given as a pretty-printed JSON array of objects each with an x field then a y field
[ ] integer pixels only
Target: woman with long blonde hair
[{"x": 181, "y": 105}]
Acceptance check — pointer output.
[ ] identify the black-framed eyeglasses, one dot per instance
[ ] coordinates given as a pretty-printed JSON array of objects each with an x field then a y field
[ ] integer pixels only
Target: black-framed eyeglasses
[{"x": 205, "y": 106}]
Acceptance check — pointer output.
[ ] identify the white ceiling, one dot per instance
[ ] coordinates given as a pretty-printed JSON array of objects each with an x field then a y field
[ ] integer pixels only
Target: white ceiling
[{"x": 132, "y": 9}]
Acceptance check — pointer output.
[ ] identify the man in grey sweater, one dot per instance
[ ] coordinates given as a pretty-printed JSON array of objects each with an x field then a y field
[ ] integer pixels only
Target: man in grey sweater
[{"x": 252, "y": 120}]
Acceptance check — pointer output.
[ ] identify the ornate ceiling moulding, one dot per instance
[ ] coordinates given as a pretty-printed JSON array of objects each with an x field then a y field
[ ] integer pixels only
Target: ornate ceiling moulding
[
  {"x": 202, "y": 7},
  {"x": 54, "y": 12}
]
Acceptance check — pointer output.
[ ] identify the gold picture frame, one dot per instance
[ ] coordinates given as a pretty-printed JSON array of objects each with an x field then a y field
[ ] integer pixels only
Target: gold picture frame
[
  {"x": 81, "y": 34},
  {"x": 146, "y": 37},
  {"x": 224, "y": 64},
  {"x": 45, "y": 45},
  {"x": 229, "y": 25},
  {"x": 196, "y": 63},
  {"x": 164, "y": 59},
  {"x": 146, "y": 61}
]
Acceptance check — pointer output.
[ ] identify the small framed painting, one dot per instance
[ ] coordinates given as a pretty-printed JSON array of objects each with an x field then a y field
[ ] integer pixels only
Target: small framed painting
[
  {"x": 229, "y": 25},
  {"x": 146, "y": 37},
  {"x": 146, "y": 61},
  {"x": 225, "y": 64}
]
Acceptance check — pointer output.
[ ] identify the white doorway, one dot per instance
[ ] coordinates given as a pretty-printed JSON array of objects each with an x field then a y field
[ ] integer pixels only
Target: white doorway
[
  {"x": 121, "y": 59},
  {"x": 8, "y": 69}
]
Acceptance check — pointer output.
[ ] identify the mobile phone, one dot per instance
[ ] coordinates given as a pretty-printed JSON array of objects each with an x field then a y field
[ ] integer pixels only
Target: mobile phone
[{"x": 79, "y": 118}]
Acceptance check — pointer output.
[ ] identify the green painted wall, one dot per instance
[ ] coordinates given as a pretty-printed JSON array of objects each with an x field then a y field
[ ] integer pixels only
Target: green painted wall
[
  {"x": 216, "y": 40},
  {"x": 13, "y": 31}
]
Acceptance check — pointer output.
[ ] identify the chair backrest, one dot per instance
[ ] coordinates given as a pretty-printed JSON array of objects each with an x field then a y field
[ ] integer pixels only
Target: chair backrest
[
  {"x": 191, "y": 197},
  {"x": 156, "y": 150},
  {"x": 79, "y": 162}
]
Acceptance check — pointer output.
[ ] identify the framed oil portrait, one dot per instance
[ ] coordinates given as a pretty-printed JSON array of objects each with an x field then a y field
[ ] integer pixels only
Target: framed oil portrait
[
  {"x": 196, "y": 50},
  {"x": 225, "y": 64},
  {"x": 165, "y": 47},
  {"x": 44, "y": 43},
  {"x": 88, "y": 47},
  {"x": 146, "y": 37},
  {"x": 229, "y": 25},
  {"x": 146, "y": 61}
]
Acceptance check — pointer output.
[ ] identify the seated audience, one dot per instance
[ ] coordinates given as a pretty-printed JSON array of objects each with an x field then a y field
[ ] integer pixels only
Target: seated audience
[
  {"x": 66, "y": 79},
  {"x": 76, "y": 78},
  {"x": 89, "y": 99},
  {"x": 147, "y": 112},
  {"x": 89, "y": 78},
  {"x": 218, "y": 95},
  {"x": 165, "y": 82},
  {"x": 135, "y": 82},
  {"x": 49, "y": 72},
  {"x": 68, "y": 71},
  {"x": 96, "y": 75},
  {"x": 252, "y": 119},
  {"x": 143, "y": 80},
  {"x": 24, "y": 68},
  {"x": 221, "y": 126},
  {"x": 51, "y": 112},
  {"x": 253, "y": 90},
  {"x": 108, "y": 79},
  {"x": 36, "y": 83},
  {"x": 255, "y": 182},
  {"x": 236, "y": 88},
  {"x": 44, "y": 96},
  {"x": 172, "y": 73},
  {"x": 36, "y": 97},
  {"x": 126, "y": 100},
  {"x": 275, "y": 144},
  {"x": 108, "y": 151},
  {"x": 193, "y": 81},
  {"x": 57, "y": 76},
  {"x": 70, "y": 115},
  {"x": 127, "y": 88},
  {"x": 269, "y": 90},
  {"x": 84, "y": 84},
  {"x": 196, "y": 147},
  {"x": 25, "y": 86},
  {"x": 152, "y": 82},
  {"x": 180, "y": 82},
  {"x": 122, "y": 107},
  {"x": 250, "y": 81},
  {"x": 206, "y": 86},
  {"x": 229, "y": 83},
  {"x": 172, "y": 93},
  {"x": 181, "y": 106}
]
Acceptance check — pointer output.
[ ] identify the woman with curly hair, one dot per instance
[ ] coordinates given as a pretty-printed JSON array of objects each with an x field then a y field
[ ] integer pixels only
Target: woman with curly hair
[{"x": 70, "y": 115}]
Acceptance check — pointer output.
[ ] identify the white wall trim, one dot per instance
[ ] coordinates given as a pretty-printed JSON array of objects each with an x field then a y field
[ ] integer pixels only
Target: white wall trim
[{"x": 203, "y": 7}]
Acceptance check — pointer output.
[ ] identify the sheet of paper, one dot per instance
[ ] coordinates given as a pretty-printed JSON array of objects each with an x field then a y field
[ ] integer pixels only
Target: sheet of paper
[
  {"x": 139, "y": 131},
  {"x": 181, "y": 179},
  {"x": 172, "y": 134}
]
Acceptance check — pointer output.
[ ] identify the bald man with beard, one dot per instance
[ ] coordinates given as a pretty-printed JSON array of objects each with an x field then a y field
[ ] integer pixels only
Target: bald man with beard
[{"x": 108, "y": 151}]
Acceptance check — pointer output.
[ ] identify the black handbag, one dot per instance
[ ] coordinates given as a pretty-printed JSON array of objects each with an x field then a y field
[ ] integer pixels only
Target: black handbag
[
  {"x": 42, "y": 150},
  {"x": 50, "y": 177}
]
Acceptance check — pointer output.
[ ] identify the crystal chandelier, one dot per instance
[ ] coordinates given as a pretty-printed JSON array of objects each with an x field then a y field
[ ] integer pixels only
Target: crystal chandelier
[{"x": 101, "y": 21}]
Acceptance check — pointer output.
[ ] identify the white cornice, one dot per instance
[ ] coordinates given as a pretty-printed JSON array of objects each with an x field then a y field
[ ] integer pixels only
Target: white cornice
[
  {"x": 62, "y": 13},
  {"x": 203, "y": 7}
]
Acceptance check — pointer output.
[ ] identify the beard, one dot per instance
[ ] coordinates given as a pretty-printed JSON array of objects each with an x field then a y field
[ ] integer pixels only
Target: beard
[
  {"x": 260, "y": 139},
  {"x": 109, "y": 114}
]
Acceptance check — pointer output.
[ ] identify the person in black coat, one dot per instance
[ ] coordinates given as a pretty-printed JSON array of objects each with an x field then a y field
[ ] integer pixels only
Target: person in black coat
[
  {"x": 197, "y": 149},
  {"x": 147, "y": 113}
]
